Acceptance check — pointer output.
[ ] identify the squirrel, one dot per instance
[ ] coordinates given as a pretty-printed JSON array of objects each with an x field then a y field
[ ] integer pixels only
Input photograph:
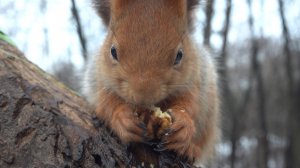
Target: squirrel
[{"x": 148, "y": 59}]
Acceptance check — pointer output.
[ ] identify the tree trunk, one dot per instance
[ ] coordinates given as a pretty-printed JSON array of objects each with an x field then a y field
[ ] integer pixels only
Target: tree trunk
[
  {"x": 292, "y": 157},
  {"x": 263, "y": 143},
  {"x": 229, "y": 101},
  {"x": 45, "y": 124},
  {"x": 79, "y": 28},
  {"x": 209, "y": 11}
]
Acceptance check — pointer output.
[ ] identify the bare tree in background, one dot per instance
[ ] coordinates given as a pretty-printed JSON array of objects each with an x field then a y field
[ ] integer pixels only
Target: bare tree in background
[
  {"x": 293, "y": 150},
  {"x": 46, "y": 42},
  {"x": 43, "y": 8},
  {"x": 67, "y": 74},
  {"x": 80, "y": 33},
  {"x": 209, "y": 11},
  {"x": 228, "y": 104},
  {"x": 263, "y": 144}
]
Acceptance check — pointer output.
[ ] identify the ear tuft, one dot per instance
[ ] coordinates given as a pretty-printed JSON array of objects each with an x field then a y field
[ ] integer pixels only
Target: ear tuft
[
  {"x": 103, "y": 10},
  {"x": 179, "y": 6},
  {"x": 191, "y": 5},
  {"x": 108, "y": 9},
  {"x": 184, "y": 8}
]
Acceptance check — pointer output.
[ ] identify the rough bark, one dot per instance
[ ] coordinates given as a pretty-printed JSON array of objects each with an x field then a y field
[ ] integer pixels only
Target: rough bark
[{"x": 45, "y": 124}]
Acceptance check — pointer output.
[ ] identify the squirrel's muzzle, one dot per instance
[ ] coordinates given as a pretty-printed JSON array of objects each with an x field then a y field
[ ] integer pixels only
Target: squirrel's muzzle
[{"x": 145, "y": 91}]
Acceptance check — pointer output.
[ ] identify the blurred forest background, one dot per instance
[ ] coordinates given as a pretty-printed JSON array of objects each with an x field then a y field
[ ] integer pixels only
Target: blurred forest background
[{"x": 257, "y": 45}]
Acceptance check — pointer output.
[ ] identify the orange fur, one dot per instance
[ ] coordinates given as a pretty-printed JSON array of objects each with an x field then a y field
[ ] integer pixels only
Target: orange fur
[{"x": 147, "y": 36}]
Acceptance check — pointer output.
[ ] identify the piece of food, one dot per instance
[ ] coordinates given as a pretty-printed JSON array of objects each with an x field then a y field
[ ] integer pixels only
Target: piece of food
[
  {"x": 158, "y": 123},
  {"x": 166, "y": 119}
]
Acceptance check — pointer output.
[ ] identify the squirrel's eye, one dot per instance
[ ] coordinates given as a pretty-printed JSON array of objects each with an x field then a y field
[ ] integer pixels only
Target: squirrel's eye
[
  {"x": 178, "y": 57},
  {"x": 113, "y": 52}
]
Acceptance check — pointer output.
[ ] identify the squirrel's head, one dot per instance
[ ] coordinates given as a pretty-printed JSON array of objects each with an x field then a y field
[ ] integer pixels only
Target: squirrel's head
[{"x": 147, "y": 55}]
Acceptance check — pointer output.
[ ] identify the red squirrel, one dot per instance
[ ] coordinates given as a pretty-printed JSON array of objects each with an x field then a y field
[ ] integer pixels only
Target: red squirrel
[{"x": 148, "y": 59}]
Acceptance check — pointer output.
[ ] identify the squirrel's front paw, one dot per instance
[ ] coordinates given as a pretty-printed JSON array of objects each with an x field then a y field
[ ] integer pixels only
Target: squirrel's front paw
[
  {"x": 179, "y": 136},
  {"x": 127, "y": 125}
]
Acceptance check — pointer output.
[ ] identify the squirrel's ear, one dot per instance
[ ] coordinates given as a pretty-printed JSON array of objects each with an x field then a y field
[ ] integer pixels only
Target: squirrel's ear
[
  {"x": 110, "y": 9},
  {"x": 191, "y": 5},
  {"x": 103, "y": 9},
  {"x": 179, "y": 7},
  {"x": 118, "y": 6},
  {"x": 184, "y": 9}
]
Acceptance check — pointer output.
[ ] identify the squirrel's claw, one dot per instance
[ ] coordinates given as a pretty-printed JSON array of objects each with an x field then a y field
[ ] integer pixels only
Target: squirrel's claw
[
  {"x": 143, "y": 126},
  {"x": 160, "y": 147}
]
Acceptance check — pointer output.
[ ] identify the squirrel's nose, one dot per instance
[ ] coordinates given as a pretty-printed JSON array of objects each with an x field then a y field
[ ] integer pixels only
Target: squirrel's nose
[{"x": 145, "y": 92}]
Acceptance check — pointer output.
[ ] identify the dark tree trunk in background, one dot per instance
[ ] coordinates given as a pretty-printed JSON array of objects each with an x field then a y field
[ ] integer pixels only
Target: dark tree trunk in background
[
  {"x": 293, "y": 146},
  {"x": 229, "y": 102},
  {"x": 263, "y": 146},
  {"x": 223, "y": 57},
  {"x": 79, "y": 28},
  {"x": 46, "y": 42},
  {"x": 292, "y": 158},
  {"x": 43, "y": 8},
  {"x": 209, "y": 12},
  {"x": 225, "y": 32},
  {"x": 263, "y": 143}
]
